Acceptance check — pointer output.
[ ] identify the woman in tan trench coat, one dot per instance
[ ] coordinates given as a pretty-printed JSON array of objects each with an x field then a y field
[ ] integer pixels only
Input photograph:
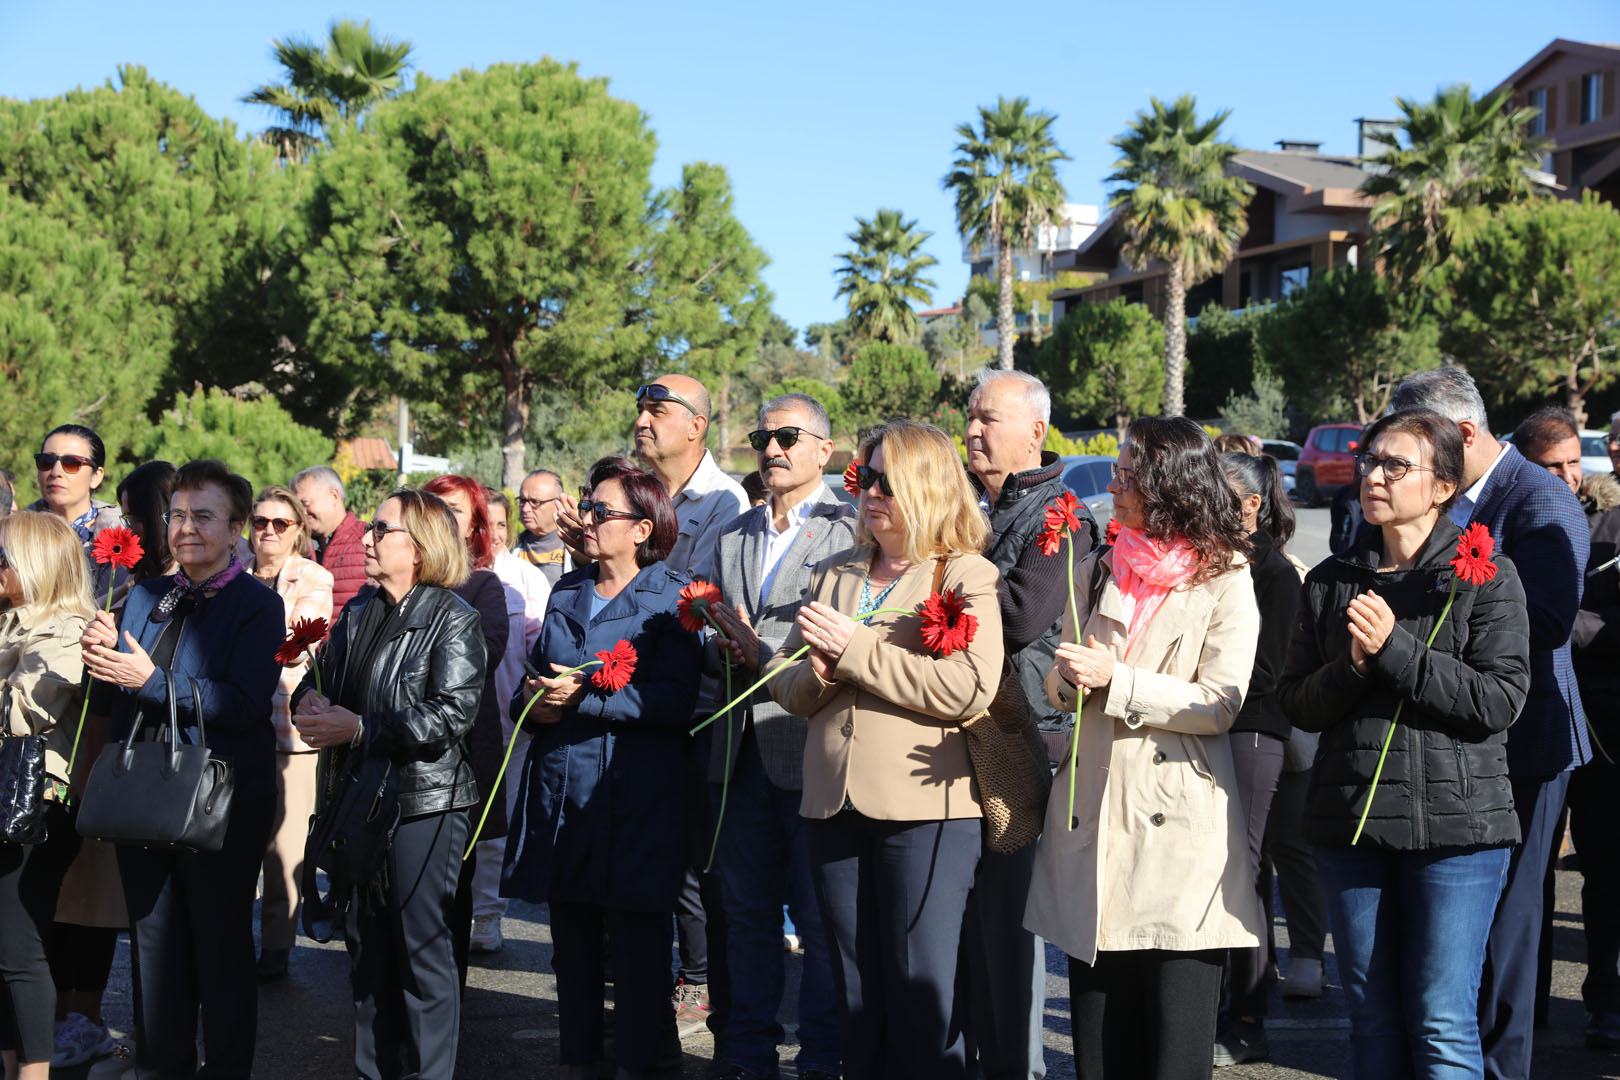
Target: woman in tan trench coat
[{"x": 1150, "y": 887}]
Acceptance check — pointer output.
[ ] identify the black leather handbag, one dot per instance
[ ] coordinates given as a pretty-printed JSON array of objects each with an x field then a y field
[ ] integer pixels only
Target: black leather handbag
[
  {"x": 22, "y": 782},
  {"x": 162, "y": 793},
  {"x": 349, "y": 839}
]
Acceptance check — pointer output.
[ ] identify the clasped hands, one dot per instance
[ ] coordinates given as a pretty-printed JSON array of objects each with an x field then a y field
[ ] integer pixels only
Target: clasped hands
[
  {"x": 555, "y": 693},
  {"x": 99, "y": 644},
  {"x": 1371, "y": 622}
]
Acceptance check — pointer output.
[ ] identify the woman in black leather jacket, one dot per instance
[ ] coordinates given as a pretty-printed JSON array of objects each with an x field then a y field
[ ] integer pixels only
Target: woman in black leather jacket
[
  {"x": 1413, "y": 899},
  {"x": 405, "y": 669}
]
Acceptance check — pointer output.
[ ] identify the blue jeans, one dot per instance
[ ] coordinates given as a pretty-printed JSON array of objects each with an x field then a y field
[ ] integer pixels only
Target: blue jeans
[
  {"x": 763, "y": 860},
  {"x": 1410, "y": 930}
]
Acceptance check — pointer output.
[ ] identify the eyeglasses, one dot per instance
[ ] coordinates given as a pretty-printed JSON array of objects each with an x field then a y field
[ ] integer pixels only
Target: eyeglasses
[
  {"x": 660, "y": 392},
  {"x": 281, "y": 525},
  {"x": 71, "y": 463},
  {"x": 1125, "y": 474},
  {"x": 866, "y": 476},
  {"x": 380, "y": 529},
  {"x": 200, "y": 518},
  {"x": 1394, "y": 468},
  {"x": 601, "y": 511},
  {"x": 524, "y": 500},
  {"x": 785, "y": 437},
  {"x": 5, "y": 562}
]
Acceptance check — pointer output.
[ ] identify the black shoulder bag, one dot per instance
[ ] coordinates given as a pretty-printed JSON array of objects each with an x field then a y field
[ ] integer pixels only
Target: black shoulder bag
[
  {"x": 160, "y": 793},
  {"x": 22, "y": 782},
  {"x": 349, "y": 839}
]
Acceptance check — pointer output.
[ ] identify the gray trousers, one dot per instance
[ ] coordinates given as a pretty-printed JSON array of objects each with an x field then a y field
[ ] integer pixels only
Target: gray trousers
[{"x": 1001, "y": 973}]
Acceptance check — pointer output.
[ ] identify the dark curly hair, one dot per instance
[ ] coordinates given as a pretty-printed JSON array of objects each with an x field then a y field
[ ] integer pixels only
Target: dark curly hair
[{"x": 1184, "y": 491}]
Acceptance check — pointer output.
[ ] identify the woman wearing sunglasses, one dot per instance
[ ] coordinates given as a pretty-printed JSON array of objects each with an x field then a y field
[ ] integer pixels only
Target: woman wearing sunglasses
[
  {"x": 70, "y": 464},
  {"x": 1412, "y": 900},
  {"x": 278, "y": 535},
  {"x": 404, "y": 668},
  {"x": 894, "y": 817},
  {"x": 600, "y": 831}
]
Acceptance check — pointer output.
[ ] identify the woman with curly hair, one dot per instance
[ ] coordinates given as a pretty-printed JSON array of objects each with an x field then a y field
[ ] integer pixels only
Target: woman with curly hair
[{"x": 1146, "y": 884}]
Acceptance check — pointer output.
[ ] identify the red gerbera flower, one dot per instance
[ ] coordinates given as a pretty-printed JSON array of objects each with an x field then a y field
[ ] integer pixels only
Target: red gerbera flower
[
  {"x": 1060, "y": 513},
  {"x": 1474, "y": 550},
  {"x": 119, "y": 546},
  {"x": 946, "y": 625},
  {"x": 694, "y": 605},
  {"x": 618, "y": 664},
  {"x": 852, "y": 485},
  {"x": 1111, "y": 533},
  {"x": 1050, "y": 540},
  {"x": 303, "y": 634}
]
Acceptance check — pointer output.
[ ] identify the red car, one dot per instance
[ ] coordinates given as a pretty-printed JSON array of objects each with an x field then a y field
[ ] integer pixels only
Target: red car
[{"x": 1327, "y": 463}]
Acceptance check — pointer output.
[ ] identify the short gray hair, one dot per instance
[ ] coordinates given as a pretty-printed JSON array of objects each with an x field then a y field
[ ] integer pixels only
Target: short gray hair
[
  {"x": 532, "y": 473},
  {"x": 812, "y": 408},
  {"x": 1449, "y": 391},
  {"x": 1037, "y": 398},
  {"x": 318, "y": 474},
  {"x": 1614, "y": 420}
]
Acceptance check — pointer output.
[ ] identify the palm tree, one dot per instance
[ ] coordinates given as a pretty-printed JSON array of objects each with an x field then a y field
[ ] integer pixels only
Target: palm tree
[
  {"x": 328, "y": 84},
  {"x": 1463, "y": 158},
  {"x": 1180, "y": 209},
  {"x": 1006, "y": 185},
  {"x": 883, "y": 276}
]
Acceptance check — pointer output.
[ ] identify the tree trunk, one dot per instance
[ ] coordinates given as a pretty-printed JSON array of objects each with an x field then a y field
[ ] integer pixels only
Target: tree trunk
[
  {"x": 1175, "y": 341},
  {"x": 1122, "y": 420},
  {"x": 1574, "y": 400},
  {"x": 1004, "y": 303},
  {"x": 514, "y": 419}
]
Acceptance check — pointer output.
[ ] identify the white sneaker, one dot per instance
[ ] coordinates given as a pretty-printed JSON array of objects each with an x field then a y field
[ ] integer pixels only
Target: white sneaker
[
  {"x": 78, "y": 1040},
  {"x": 1305, "y": 979},
  {"x": 486, "y": 934}
]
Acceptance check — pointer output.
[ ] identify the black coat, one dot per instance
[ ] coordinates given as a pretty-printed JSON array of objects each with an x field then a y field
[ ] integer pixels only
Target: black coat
[
  {"x": 1595, "y": 640},
  {"x": 486, "y": 742},
  {"x": 1445, "y": 782},
  {"x": 419, "y": 698},
  {"x": 1276, "y": 591}
]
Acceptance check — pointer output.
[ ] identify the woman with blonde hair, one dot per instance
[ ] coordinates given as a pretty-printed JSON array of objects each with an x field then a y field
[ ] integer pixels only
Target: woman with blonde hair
[
  {"x": 45, "y": 580},
  {"x": 894, "y": 817},
  {"x": 405, "y": 667},
  {"x": 278, "y": 534}
]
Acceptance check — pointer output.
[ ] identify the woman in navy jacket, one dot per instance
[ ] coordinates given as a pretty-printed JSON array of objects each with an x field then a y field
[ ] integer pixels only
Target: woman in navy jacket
[
  {"x": 191, "y": 916},
  {"x": 599, "y": 832}
]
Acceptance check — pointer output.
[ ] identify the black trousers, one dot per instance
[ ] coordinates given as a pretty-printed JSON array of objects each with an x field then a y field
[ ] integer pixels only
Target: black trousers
[
  {"x": 643, "y": 1021},
  {"x": 191, "y": 930},
  {"x": 82, "y": 957},
  {"x": 1145, "y": 1014},
  {"x": 892, "y": 895},
  {"x": 1258, "y": 758},
  {"x": 1001, "y": 971},
  {"x": 700, "y": 914},
  {"x": 402, "y": 962},
  {"x": 1594, "y": 803},
  {"x": 30, "y": 879}
]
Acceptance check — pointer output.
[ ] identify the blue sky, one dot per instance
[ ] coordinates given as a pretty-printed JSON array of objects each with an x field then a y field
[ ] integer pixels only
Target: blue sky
[{"x": 825, "y": 110}]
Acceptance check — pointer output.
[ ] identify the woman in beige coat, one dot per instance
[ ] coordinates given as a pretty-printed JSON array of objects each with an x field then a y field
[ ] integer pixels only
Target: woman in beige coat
[
  {"x": 894, "y": 819},
  {"x": 1150, "y": 885}
]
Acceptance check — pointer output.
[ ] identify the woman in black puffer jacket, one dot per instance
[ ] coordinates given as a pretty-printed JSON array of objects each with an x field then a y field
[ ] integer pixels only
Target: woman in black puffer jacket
[{"x": 1412, "y": 901}]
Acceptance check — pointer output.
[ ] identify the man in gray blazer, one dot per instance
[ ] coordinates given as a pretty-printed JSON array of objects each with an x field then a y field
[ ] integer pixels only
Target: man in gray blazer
[{"x": 762, "y": 564}]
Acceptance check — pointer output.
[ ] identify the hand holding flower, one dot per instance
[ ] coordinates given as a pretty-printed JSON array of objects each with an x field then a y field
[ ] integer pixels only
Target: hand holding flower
[
  {"x": 564, "y": 689},
  {"x": 1090, "y": 666},
  {"x": 741, "y": 643},
  {"x": 827, "y": 631},
  {"x": 129, "y": 670},
  {"x": 99, "y": 631},
  {"x": 322, "y": 725}
]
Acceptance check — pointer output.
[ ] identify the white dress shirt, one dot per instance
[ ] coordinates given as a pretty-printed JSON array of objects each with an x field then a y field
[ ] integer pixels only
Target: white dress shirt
[
  {"x": 777, "y": 543},
  {"x": 1462, "y": 511}
]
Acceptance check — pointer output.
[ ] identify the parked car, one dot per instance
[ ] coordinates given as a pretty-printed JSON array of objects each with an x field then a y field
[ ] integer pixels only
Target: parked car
[
  {"x": 1595, "y": 452},
  {"x": 1326, "y": 463},
  {"x": 1087, "y": 475},
  {"x": 1287, "y": 455}
]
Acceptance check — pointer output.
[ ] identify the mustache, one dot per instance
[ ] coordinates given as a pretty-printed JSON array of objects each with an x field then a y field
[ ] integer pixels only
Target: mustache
[{"x": 778, "y": 463}]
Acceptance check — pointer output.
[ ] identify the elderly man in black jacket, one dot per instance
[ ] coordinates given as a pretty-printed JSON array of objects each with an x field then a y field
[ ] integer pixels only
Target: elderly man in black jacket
[{"x": 1003, "y": 970}]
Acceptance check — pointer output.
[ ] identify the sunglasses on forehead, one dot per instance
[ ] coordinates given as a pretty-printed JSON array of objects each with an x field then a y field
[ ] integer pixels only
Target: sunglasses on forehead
[{"x": 660, "y": 392}]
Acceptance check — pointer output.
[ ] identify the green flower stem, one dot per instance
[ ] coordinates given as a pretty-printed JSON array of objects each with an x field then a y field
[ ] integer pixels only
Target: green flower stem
[
  {"x": 507, "y": 760},
  {"x": 725, "y": 780},
  {"x": 1074, "y": 751},
  {"x": 85, "y": 708},
  {"x": 765, "y": 678},
  {"x": 1389, "y": 735}
]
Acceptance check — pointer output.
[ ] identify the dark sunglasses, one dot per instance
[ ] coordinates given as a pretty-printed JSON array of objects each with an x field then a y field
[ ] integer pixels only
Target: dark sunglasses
[
  {"x": 281, "y": 525},
  {"x": 71, "y": 463},
  {"x": 785, "y": 437},
  {"x": 866, "y": 476},
  {"x": 660, "y": 392},
  {"x": 379, "y": 530},
  {"x": 601, "y": 511},
  {"x": 5, "y": 563}
]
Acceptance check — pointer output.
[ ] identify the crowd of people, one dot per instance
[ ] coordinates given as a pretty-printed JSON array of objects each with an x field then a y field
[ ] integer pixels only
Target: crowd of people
[{"x": 734, "y": 714}]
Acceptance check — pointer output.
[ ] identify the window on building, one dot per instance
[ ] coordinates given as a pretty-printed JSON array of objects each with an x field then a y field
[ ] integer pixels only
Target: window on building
[
  {"x": 1591, "y": 97},
  {"x": 1538, "y": 102},
  {"x": 1290, "y": 278}
]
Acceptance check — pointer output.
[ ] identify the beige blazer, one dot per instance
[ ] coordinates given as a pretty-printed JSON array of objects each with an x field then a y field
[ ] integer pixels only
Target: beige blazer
[
  {"x": 41, "y": 666},
  {"x": 305, "y": 587},
  {"x": 886, "y": 733},
  {"x": 1159, "y": 859}
]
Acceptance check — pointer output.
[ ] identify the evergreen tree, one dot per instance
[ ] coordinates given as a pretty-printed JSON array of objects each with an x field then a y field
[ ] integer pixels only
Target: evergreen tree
[{"x": 1105, "y": 361}]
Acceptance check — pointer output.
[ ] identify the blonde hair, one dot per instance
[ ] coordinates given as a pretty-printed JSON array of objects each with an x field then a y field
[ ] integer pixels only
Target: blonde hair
[
  {"x": 433, "y": 530},
  {"x": 937, "y": 505},
  {"x": 302, "y": 544},
  {"x": 50, "y": 563}
]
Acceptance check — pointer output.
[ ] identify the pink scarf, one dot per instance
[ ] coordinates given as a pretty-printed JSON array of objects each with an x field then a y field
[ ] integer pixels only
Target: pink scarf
[{"x": 1147, "y": 570}]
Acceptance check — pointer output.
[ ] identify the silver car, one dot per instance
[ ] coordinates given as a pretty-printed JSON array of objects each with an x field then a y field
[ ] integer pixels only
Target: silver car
[{"x": 1087, "y": 475}]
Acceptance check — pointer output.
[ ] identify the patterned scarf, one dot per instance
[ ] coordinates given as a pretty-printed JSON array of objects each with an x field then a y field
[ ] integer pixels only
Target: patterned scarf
[
  {"x": 184, "y": 590},
  {"x": 1147, "y": 569}
]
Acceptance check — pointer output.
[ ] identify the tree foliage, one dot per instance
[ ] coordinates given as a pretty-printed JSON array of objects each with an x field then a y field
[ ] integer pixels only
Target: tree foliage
[
  {"x": 886, "y": 381},
  {"x": 1262, "y": 412},
  {"x": 255, "y": 437},
  {"x": 882, "y": 276},
  {"x": 1179, "y": 208},
  {"x": 1005, "y": 183},
  {"x": 1344, "y": 337},
  {"x": 1537, "y": 289},
  {"x": 1223, "y": 357},
  {"x": 1105, "y": 361}
]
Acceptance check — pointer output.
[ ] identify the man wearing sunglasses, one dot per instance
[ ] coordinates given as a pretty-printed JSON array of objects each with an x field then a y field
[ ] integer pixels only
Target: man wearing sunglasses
[{"x": 762, "y": 563}]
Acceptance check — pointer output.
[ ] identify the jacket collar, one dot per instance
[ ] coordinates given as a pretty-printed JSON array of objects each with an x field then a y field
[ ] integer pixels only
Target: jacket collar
[
  {"x": 1019, "y": 484},
  {"x": 1436, "y": 551},
  {"x": 622, "y": 606}
]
